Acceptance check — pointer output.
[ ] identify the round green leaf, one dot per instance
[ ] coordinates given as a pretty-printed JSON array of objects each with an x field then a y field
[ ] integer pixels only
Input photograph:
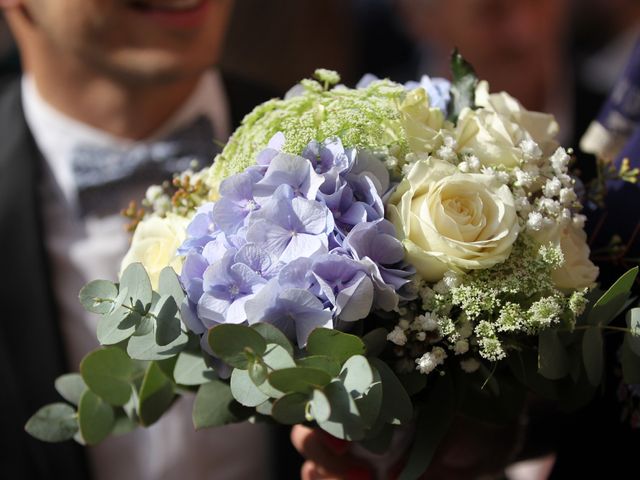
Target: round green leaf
[
  {"x": 232, "y": 343},
  {"x": 397, "y": 407},
  {"x": 244, "y": 390},
  {"x": 335, "y": 344},
  {"x": 376, "y": 341},
  {"x": 117, "y": 326},
  {"x": 299, "y": 379},
  {"x": 191, "y": 369},
  {"x": 168, "y": 326},
  {"x": 272, "y": 334},
  {"x": 370, "y": 402},
  {"x": 107, "y": 372},
  {"x": 168, "y": 284},
  {"x": 55, "y": 422},
  {"x": 277, "y": 357},
  {"x": 144, "y": 347},
  {"x": 212, "y": 406},
  {"x": 344, "y": 421},
  {"x": 95, "y": 418},
  {"x": 156, "y": 395},
  {"x": 290, "y": 409},
  {"x": 321, "y": 362},
  {"x": 98, "y": 296},
  {"x": 71, "y": 387},
  {"x": 553, "y": 362},
  {"x": 593, "y": 355},
  {"x": 630, "y": 363},
  {"x": 136, "y": 281},
  {"x": 320, "y": 407},
  {"x": 356, "y": 375}
]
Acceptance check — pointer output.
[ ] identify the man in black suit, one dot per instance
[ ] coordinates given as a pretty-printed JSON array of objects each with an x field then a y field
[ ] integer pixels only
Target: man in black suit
[{"x": 99, "y": 75}]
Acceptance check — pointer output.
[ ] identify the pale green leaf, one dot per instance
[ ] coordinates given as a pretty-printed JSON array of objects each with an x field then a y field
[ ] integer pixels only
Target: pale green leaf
[
  {"x": 107, "y": 372},
  {"x": 98, "y": 296},
  {"x": 55, "y": 422},
  {"x": 244, "y": 390},
  {"x": 96, "y": 418},
  {"x": 191, "y": 369}
]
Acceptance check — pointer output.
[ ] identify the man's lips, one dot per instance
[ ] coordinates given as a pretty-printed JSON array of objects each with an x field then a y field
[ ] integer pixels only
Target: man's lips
[
  {"x": 172, "y": 13},
  {"x": 166, "y": 6}
]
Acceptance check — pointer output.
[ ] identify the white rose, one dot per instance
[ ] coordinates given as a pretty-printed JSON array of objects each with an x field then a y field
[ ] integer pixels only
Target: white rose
[
  {"x": 577, "y": 271},
  {"x": 421, "y": 122},
  {"x": 155, "y": 243},
  {"x": 497, "y": 131},
  {"x": 449, "y": 220}
]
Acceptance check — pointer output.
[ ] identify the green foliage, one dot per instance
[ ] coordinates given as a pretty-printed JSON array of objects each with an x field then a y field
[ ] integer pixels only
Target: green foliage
[
  {"x": 156, "y": 394},
  {"x": 553, "y": 362},
  {"x": 463, "y": 86},
  {"x": 71, "y": 387},
  {"x": 108, "y": 372},
  {"x": 191, "y": 369},
  {"x": 213, "y": 405},
  {"x": 272, "y": 334},
  {"x": 55, "y": 422},
  {"x": 334, "y": 344},
  {"x": 98, "y": 296},
  {"x": 593, "y": 355},
  {"x": 96, "y": 418},
  {"x": 290, "y": 409},
  {"x": 136, "y": 281},
  {"x": 244, "y": 390},
  {"x": 299, "y": 379},
  {"x": 612, "y": 302},
  {"x": 236, "y": 344}
]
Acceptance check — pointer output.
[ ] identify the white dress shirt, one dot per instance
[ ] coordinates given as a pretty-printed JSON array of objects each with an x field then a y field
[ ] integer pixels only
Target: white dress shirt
[{"x": 87, "y": 248}]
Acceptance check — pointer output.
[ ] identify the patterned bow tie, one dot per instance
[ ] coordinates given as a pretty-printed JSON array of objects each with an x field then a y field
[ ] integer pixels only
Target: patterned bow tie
[{"x": 104, "y": 174}]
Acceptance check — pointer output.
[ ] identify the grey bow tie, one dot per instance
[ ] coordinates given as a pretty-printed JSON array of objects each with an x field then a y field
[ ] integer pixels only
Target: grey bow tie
[{"x": 103, "y": 174}]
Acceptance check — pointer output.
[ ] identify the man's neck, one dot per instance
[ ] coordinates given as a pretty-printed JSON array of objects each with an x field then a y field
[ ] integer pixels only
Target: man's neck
[{"x": 123, "y": 110}]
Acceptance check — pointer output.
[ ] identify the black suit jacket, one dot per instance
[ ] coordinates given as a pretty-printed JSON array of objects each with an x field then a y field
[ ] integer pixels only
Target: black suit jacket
[{"x": 31, "y": 350}]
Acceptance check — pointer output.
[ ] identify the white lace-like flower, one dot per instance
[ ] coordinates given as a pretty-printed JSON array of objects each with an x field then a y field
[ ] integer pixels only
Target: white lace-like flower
[
  {"x": 397, "y": 336},
  {"x": 430, "y": 360}
]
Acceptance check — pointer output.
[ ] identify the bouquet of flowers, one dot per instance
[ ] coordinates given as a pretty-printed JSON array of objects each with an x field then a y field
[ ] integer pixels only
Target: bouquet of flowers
[{"x": 359, "y": 259}]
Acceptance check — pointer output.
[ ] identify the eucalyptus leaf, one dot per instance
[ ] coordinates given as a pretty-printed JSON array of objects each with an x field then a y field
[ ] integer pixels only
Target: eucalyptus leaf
[
  {"x": 96, "y": 418},
  {"x": 335, "y": 344},
  {"x": 370, "y": 402},
  {"x": 299, "y": 379},
  {"x": 320, "y": 408},
  {"x": 191, "y": 369},
  {"x": 273, "y": 334},
  {"x": 117, "y": 326},
  {"x": 123, "y": 424},
  {"x": 136, "y": 281},
  {"x": 290, "y": 409},
  {"x": 397, "y": 407},
  {"x": 244, "y": 390},
  {"x": 265, "y": 408},
  {"x": 277, "y": 357},
  {"x": 356, "y": 375},
  {"x": 168, "y": 326},
  {"x": 98, "y": 296},
  {"x": 155, "y": 396},
  {"x": 630, "y": 363},
  {"x": 376, "y": 341},
  {"x": 236, "y": 343},
  {"x": 257, "y": 371},
  {"x": 379, "y": 443},
  {"x": 169, "y": 284},
  {"x": 593, "y": 355},
  {"x": 144, "y": 347},
  {"x": 344, "y": 421},
  {"x": 553, "y": 362},
  {"x": 108, "y": 373},
  {"x": 633, "y": 324},
  {"x": 321, "y": 362},
  {"x": 213, "y": 405},
  {"x": 71, "y": 387},
  {"x": 55, "y": 422}
]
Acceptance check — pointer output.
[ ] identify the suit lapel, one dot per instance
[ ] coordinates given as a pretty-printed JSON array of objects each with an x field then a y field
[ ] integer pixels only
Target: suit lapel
[{"x": 31, "y": 352}]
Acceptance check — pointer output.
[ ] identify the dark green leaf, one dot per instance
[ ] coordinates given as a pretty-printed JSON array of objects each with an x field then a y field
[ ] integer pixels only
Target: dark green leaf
[
  {"x": 272, "y": 334},
  {"x": 117, "y": 326},
  {"x": 321, "y": 362},
  {"x": 553, "y": 362},
  {"x": 107, "y": 372},
  {"x": 71, "y": 387},
  {"x": 191, "y": 369},
  {"x": 98, "y": 296},
  {"x": 290, "y": 409},
  {"x": 609, "y": 305},
  {"x": 379, "y": 442},
  {"x": 167, "y": 323},
  {"x": 375, "y": 341},
  {"x": 593, "y": 354},
  {"x": 55, "y": 422},
  {"x": 335, "y": 344},
  {"x": 356, "y": 375},
  {"x": 168, "y": 284},
  {"x": 156, "y": 395},
  {"x": 413, "y": 382},
  {"x": 257, "y": 372},
  {"x": 344, "y": 420},
  {"x": 95, "y": 418},
  {"x": 123, "y": 424},
  {"x": 397, "y": 407},
  {"x": 213, "y": 405},
  {"x": 235, "y": 344},
  {"x": 136, "y": 281},
  {"x": 244, "y": 390},
  {"x": 298, "y": 379},
  {"x": 370, "y": 403},
  {"x": 633, "y": 324},
  {"x": 434, "y": 420},
  {"x": 463, "y": 86}
]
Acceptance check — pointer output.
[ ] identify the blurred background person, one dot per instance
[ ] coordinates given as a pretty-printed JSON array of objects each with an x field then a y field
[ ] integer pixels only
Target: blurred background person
[{"x": 115, "y": 95}]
